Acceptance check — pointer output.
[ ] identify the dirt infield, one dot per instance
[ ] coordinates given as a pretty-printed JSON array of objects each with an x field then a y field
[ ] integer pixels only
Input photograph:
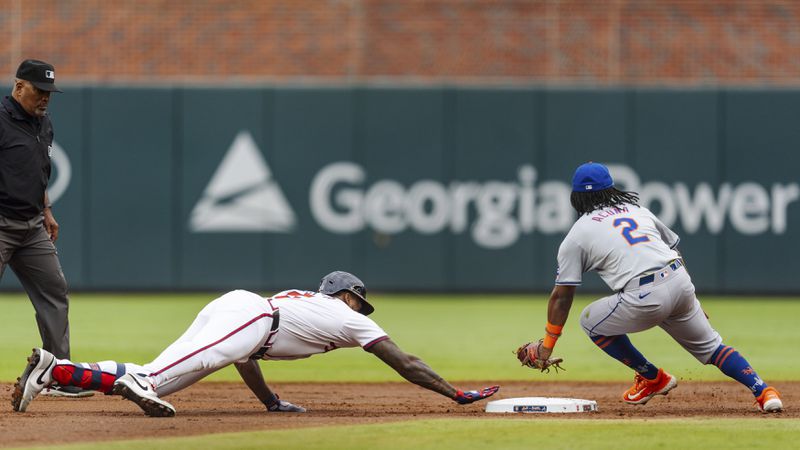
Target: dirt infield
[{"x": 229, "y": 407}]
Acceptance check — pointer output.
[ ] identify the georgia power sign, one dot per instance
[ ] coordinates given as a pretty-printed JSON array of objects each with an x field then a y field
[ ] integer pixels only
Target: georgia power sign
[{"x": 243, "y": 196}]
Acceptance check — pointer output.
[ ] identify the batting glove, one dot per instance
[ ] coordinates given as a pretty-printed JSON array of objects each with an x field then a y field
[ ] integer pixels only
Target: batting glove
[
  {"x": 473, "y": 396},
  {"x": 278, "y": 405}
]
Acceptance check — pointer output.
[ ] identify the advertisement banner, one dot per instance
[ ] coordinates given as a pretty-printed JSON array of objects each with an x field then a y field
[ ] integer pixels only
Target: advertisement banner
[{"x": 436, "y": 189}]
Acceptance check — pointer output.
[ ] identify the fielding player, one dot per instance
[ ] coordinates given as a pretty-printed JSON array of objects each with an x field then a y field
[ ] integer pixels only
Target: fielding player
[
  {"x": 636, "y": 255},
  {"x": 240, "y": 328}
]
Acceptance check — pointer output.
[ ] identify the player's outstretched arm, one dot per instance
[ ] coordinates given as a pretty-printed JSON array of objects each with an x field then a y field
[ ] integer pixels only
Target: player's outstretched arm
[
  {"x": 416, "y": 371},
  {"x": 251, "y": 374}
]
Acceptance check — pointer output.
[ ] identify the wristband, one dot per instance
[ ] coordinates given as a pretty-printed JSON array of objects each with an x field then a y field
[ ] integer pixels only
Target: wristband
[
  {"x": 554, "y": 330},
  {"x": 552, "y": 333}
]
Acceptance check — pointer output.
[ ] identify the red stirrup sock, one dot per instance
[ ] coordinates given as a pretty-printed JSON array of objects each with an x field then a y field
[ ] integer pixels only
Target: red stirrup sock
[{"x": 91, "y": 378}]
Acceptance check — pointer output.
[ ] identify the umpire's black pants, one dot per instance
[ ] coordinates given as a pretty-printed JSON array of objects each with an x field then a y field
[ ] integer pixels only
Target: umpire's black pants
[{"x": 26, "y": 247}]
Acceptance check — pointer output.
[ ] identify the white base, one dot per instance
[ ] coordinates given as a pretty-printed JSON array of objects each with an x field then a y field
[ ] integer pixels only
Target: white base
[{"x": 541, "y": 405}]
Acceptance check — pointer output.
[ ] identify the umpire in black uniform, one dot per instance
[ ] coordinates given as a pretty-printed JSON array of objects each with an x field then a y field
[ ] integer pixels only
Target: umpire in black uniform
[{"x": 28, "y": 229}]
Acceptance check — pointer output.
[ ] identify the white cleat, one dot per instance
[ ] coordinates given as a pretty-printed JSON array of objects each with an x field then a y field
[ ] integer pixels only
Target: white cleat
[
  {"x": 36, "y": 376},
  {"x": 138, "y": 390}
]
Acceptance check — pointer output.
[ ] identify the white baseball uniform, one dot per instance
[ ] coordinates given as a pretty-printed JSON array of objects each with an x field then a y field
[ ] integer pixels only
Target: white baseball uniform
[
  {"x": 314, "y": 323},
  {"x": 634, "y": 253},
  {"x": 235, "y": 326}
]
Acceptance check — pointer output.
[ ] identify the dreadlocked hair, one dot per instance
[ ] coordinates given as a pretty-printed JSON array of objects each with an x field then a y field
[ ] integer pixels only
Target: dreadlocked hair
[{"x": 586, "y": 202}]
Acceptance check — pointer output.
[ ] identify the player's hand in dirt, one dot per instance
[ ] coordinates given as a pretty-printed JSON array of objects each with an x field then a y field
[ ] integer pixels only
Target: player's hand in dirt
[{"x": 473, "y": 396}]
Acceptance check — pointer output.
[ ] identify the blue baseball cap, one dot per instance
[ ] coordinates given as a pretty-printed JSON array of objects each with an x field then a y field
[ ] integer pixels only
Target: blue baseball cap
[{"x": 591, "y": 177}]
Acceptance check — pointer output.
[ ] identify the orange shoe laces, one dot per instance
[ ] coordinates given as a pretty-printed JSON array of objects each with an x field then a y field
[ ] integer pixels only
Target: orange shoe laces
[{"x": 639, "y": 382}]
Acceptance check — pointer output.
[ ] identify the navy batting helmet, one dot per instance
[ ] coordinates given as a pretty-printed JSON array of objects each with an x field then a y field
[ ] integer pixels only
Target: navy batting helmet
[{"x": 339, "y": 281}]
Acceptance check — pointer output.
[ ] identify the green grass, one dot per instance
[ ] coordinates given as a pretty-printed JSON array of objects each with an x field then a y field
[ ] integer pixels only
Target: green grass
[
  {"x": 462, "y": 338},
  {"x": 507, "y": 433}
]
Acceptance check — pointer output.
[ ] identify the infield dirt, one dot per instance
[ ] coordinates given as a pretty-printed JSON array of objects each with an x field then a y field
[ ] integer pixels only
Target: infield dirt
[{"x": 230, "y": 407}]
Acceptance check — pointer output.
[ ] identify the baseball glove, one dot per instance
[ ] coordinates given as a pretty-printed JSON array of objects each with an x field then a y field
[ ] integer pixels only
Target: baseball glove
[{"x": 536, "y": 356}]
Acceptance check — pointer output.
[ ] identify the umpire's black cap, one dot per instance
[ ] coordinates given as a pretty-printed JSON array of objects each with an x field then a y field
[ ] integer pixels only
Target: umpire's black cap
[
  {"x": 339, "y": 281},
  {"x": 38, "y": 73}
]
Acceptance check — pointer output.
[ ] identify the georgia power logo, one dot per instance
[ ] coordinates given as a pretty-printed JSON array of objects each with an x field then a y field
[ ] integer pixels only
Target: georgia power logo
[{"x": 243, "y": 196}]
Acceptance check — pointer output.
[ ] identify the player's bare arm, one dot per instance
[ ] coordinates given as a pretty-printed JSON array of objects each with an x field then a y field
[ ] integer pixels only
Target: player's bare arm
[
  {"x": 408, "y": 366},
  {"x": 536, "y": 355},
  {"x": 559, "y": 304},
  {"x": 250, "y": 372},
  {"x": 416, "y": 371},
  {"x": 557, "y": 313},
  {"x": 411, "y": 368}
]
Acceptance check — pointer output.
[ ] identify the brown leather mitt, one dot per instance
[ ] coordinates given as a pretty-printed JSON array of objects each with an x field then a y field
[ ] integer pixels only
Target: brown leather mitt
[{"x": 530, "y": 355}]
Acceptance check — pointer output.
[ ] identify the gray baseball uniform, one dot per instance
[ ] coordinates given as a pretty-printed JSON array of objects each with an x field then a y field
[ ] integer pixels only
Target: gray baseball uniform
[{"x": 634, "y": 253}]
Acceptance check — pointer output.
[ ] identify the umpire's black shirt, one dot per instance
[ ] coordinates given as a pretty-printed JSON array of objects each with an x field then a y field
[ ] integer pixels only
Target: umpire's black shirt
[{"x": 25, "y": 145}]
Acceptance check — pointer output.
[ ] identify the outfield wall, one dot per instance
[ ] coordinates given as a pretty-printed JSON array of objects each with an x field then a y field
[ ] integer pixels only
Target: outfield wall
[{"x": 411, "y": 188}]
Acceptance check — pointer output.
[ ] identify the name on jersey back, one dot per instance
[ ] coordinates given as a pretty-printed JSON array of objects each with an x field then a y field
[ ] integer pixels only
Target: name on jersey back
[{"x": 608, "y": 213}]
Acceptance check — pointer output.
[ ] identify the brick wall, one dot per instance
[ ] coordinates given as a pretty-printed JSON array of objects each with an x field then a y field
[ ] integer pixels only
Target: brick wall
[{"x": 591, "y": 42}]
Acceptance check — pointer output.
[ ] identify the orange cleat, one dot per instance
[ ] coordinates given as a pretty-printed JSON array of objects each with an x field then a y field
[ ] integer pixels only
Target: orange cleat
[
  {"x": 769, "y": 401},
  {"x": 643, "y": 389}
]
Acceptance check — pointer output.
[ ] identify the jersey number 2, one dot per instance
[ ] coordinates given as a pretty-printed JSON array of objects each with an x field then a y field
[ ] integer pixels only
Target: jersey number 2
[{"x": 630, "y": 225}]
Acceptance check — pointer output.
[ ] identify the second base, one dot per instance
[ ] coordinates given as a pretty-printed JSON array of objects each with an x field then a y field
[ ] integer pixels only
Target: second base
[{"x": 541, "y": 405}]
